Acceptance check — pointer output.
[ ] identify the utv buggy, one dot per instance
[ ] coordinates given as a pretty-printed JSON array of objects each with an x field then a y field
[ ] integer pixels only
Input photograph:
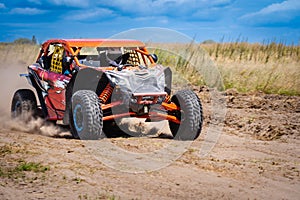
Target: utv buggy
[{"x": 88, "y": 84}]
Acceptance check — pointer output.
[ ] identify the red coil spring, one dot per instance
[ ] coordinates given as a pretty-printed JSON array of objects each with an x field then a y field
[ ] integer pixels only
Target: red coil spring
[{"x": 104, "y": 96}]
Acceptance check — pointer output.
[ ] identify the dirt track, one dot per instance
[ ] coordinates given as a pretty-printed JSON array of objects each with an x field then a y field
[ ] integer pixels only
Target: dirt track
[{"x": 257, "y": 156}]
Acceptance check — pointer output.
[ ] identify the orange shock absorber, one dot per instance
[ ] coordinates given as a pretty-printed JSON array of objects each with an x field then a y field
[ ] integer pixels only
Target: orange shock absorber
[
  {"x": 167, "y": 99},
  {"x": 104, "y": 96}
]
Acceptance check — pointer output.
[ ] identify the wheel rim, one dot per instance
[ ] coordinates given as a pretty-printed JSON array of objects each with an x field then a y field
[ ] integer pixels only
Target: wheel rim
[{"x": 78, "y": 118}]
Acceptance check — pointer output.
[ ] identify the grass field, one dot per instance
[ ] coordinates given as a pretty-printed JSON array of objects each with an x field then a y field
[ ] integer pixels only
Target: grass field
[{"x": 270, "y": 68}]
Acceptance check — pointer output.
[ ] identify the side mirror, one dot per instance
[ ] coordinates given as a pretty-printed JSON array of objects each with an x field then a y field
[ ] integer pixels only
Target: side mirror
[{"x": 154, "y": 57}]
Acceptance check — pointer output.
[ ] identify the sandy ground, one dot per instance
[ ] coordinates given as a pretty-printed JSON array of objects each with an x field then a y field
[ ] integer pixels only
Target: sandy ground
[{"x": 255, "y": 155}]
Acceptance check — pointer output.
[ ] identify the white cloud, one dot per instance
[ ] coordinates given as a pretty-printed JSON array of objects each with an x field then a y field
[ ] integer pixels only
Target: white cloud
[
  {"x": 27, "y": 11},
  {"x": 277, "y": 12},
  {"x": 219, "y": 2},
  {"x": 161, "y": 20},
  {"x": 91, "y": 14},
  {"x": 71, "y": 3},
  {"x": 38, "y": 2},
  {"x": 288, "y": 5},
  {"x": 2, "y": 5},
  {"x": 162, "y": 7}
]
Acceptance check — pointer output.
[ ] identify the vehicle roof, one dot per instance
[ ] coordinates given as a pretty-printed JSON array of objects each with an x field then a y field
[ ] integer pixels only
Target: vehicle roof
[{"x": 98, "y": 42}]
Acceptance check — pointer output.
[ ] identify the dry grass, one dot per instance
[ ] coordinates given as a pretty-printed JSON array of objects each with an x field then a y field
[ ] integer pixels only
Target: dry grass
[
  {"x": 259, "y": 53},
  {"x": 270, "y": 68}
]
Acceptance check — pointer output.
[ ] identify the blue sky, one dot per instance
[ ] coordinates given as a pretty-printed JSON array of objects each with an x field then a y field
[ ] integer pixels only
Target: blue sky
[{"x": 254, "y": 21}]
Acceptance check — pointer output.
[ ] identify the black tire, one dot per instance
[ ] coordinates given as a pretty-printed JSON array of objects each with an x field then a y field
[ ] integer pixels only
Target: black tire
[
  {"x": 24, "y": 104},
  {"x": 86, "y": 115},
  {"x": 190, "y": 115}
]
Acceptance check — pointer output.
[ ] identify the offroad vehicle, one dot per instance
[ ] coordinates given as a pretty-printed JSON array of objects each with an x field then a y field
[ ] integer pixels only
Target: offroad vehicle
[{"x": 87, "y": 84}]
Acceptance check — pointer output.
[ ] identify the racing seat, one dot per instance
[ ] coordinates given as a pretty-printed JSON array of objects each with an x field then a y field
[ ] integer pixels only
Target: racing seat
[
  {"x": 57, "y": 58},
  {"x": 132, "y": 58}
]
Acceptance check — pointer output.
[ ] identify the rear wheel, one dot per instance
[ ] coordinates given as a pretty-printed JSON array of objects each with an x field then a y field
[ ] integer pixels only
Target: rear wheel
[
  {"x": 24, "y": 104},
  {"x": 190, "y": 115},
  {"x": 86, "y": 116}
]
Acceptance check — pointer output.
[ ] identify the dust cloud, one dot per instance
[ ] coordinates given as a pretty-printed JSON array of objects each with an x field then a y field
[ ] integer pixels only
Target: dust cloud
[
  {"x": 10, "y": 81},
  {"x": 33, "y": 126}
]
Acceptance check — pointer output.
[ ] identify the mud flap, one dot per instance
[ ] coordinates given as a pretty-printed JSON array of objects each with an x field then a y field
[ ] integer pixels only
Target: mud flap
[{"x": 168, "y": 80}]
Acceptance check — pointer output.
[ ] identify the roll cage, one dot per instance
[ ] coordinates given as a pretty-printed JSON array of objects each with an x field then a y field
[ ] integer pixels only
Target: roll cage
[{"x": 72, "y": 51}]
